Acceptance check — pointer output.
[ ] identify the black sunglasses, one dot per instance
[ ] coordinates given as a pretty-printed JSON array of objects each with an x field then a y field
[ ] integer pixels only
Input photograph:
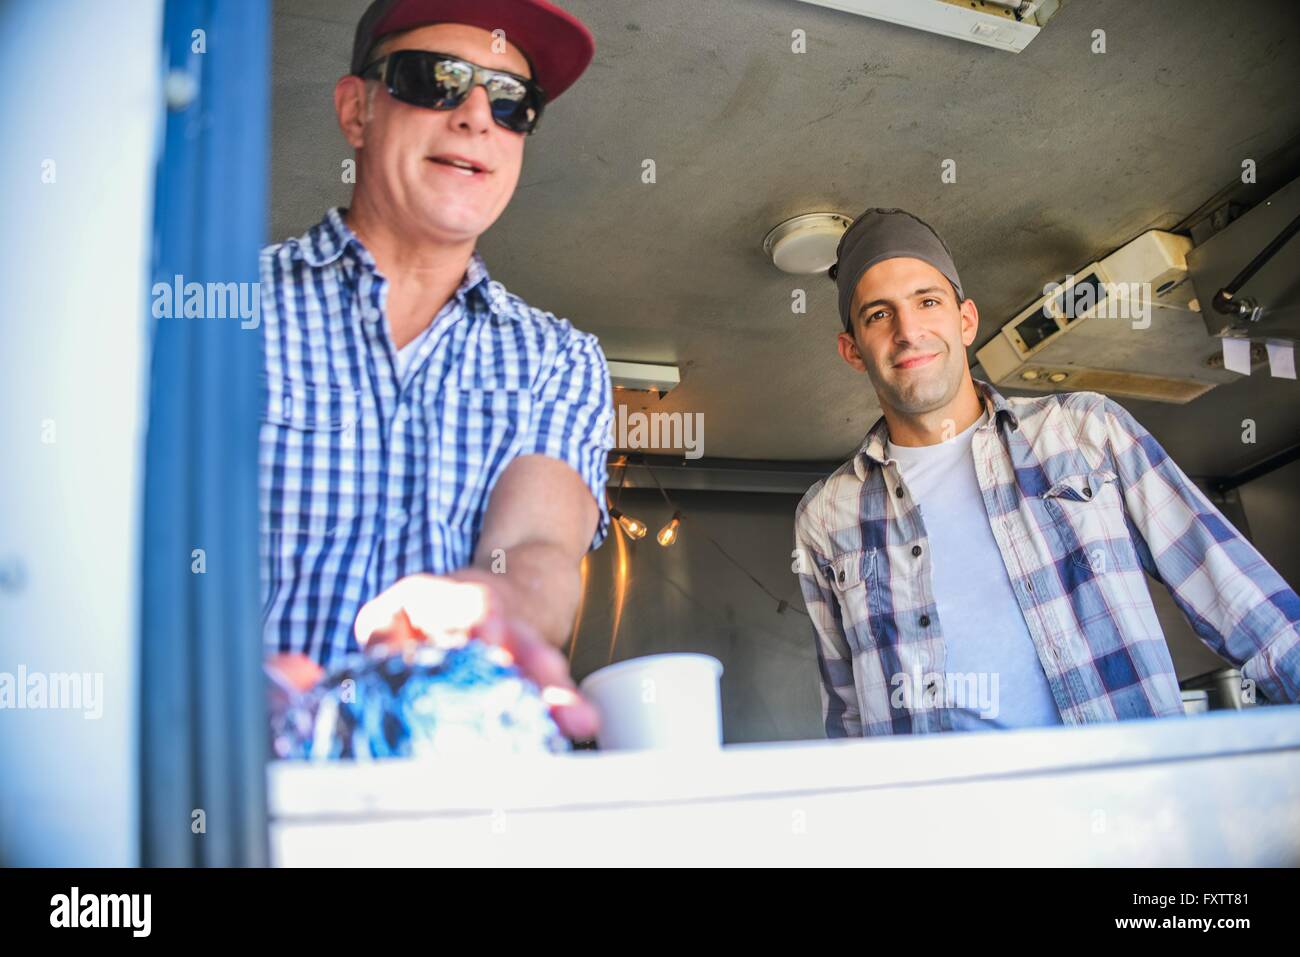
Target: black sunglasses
[{"x": 439, "y": 81}]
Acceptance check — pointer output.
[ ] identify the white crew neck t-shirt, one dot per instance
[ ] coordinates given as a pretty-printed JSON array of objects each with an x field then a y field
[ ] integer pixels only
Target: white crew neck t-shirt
[{"x": 983, "y": 626}]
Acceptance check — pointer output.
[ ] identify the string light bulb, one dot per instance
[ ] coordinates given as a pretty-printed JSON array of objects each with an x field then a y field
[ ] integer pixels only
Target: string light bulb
[
  {"x": 634, "y": 527},
  {"x": 668, "y": 534}
]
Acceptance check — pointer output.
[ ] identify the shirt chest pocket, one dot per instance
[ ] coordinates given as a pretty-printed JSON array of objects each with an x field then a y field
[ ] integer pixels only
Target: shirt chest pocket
[
  {"x": 852, "y": 579},
  {"x": 310, "y": 444},
  {"x": 482, "y": 431},
  {"x": 310, "y": 409},
  {"x": 1086, "y": 512}
]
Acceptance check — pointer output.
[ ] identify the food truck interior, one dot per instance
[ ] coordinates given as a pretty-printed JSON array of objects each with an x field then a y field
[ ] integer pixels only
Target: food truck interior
[{"x": 682, "y": 203}]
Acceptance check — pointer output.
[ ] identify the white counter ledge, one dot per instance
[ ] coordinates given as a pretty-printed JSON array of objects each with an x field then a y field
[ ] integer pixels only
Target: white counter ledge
[{"x": 1214, "y": 789}]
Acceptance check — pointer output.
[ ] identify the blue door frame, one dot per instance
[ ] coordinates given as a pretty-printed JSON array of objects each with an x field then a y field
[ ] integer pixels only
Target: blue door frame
[{"x": 202, "y": 709}]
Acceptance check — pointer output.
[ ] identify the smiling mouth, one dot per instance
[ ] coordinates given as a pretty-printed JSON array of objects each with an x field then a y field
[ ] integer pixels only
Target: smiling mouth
[
  {"x": 463, "y": 167},
  {"x": 915, "y": 361}
]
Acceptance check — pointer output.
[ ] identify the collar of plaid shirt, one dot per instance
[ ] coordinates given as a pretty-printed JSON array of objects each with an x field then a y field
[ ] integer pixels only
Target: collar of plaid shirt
[
  {"x": 327, "y": 241},
  {"x": 1083, "y": 504},
  {"x": 872, "y": 450}
]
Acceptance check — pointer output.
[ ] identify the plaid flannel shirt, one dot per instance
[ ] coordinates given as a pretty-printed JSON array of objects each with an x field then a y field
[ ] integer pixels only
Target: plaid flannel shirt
[{"x": 1081, "y": 501}]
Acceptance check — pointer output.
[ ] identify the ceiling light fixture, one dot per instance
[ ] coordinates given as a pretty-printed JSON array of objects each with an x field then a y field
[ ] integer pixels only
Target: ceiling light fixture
[
  {"x": 1006, "y": 25},
  {"x": 643, "y": 377},
  {"x": 806, "y": 244}
]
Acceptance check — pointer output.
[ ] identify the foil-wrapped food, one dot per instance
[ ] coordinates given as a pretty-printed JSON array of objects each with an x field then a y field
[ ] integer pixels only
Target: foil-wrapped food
[{"x": 417, "y": 700}]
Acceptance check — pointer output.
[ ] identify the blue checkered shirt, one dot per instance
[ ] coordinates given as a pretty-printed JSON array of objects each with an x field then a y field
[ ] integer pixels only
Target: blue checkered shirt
[
  {"x": 1081, "y": 501},
  {"x": 365, "y": 477}
]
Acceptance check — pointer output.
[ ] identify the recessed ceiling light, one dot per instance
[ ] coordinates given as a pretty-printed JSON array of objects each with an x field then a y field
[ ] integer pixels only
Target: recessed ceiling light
[{"x": 806, "y": 244}]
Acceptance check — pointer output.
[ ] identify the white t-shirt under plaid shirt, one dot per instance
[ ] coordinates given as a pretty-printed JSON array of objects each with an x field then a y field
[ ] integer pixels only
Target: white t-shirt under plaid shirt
[{"x": 367, "y": 474}]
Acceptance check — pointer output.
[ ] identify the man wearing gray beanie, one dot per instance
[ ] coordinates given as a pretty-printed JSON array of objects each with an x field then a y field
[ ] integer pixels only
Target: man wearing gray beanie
[{"x": 979, "y": 562}]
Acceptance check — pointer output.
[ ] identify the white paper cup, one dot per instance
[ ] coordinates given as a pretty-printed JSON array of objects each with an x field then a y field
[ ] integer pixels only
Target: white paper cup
[{"x": 659, "y": 702}]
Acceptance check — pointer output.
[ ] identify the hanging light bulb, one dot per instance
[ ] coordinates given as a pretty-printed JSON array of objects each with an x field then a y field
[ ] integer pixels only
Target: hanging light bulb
[
  {"x": 668, "y": 534},
  {"x": 634, "y": 527}
]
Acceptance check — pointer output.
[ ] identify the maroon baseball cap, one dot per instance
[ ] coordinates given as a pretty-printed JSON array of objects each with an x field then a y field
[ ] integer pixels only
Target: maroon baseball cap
[{"x": 557, "y": 44}]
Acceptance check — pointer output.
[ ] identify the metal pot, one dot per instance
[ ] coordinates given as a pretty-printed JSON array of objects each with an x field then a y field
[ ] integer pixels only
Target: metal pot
[{"x": 1225, "y": 689}]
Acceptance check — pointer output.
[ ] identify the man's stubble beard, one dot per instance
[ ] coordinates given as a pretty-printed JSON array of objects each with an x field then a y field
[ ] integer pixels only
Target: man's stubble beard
[{"x": 924, "y": 393}]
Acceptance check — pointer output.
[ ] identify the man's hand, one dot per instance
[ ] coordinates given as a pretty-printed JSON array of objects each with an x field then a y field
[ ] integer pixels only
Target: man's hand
[
  {"x": 521, "y": 593},
  {"x": 431, "y": 608},
  {"x": 444, "y": 611}
]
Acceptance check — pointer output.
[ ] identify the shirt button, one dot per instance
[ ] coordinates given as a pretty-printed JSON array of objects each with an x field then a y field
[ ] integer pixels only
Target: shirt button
[
  {"x": 841, "y": 576},
  {"x": 925, "y": 621},
  {"x": 1087, "y": 492},
  {"x": 916, "y": 550},
  {"x": 899, "y": 491}
]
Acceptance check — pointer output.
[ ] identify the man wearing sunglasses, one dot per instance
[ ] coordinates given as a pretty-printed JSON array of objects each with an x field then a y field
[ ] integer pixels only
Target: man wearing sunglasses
[{"x": 433, "y": 455}]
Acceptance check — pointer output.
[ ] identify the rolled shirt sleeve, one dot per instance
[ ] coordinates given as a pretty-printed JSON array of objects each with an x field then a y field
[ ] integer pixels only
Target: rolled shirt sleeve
[
  {"x": 1238, "y": 605},
  {"x": 571, "y": 416}
]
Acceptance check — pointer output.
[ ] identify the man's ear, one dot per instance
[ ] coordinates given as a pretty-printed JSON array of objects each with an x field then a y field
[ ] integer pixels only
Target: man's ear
[
  {"x": 350, "y": 106},
  {"x": 848, "y": 347},
  {"x": 970, "y": 321}
]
